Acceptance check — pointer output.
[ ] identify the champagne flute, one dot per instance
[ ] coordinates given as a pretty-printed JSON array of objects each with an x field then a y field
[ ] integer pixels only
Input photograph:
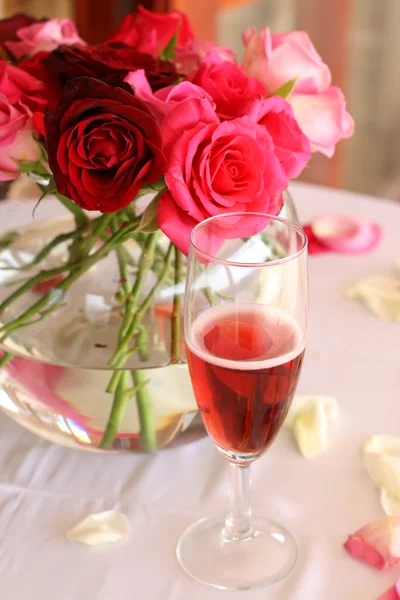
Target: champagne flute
[{"x": 245, "y": 323}]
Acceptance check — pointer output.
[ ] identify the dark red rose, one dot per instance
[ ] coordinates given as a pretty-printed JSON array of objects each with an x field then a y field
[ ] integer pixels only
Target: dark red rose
[
  {"x": 103, "y": 144},
  {"x": 9, "y": 28},
  {"x": 151, "y": 32},
  {"x": 110, "y": 63}
]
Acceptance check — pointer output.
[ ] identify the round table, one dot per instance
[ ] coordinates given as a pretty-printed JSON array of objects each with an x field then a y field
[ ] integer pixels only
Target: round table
[{"x": 45, "y": 489}]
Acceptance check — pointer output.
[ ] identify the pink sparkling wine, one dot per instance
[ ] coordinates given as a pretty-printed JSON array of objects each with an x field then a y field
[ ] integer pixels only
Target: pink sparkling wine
[{"x": 244, "y": 363}]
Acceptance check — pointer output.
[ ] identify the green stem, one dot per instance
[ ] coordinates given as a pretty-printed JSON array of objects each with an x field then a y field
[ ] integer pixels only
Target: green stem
[
  {"x": 29, "y": 283},
  {"x": 130, "y": 321},
  {"x": 209, "y": 296},
  {"x": 129, "y": 326},
  {"x": 275, "y": 247},
  {"x": 80, "y": 217},
  {"x": 5, "y": 358},
  {"x": 148, "y": 434},
  {"x": 59, "y": 239},
  {"x": 118, "y": 358},
  {"x": 121, "y": 399},
  {"x": 63, "y": 285},
  {"x": 123, "y": 270},
  {"x": 176, "y": 310}
]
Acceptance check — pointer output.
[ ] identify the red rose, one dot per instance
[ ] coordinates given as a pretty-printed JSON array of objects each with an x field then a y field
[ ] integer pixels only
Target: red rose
[
  {"x": 151, "y": 32},
  {"x": 9, "y": 28},
  {"x": 110, "y": 63},
  {"x": 103, "y": 145},
  {"x": 18, "y": 85},
  {"x": 34, "y": 65}
]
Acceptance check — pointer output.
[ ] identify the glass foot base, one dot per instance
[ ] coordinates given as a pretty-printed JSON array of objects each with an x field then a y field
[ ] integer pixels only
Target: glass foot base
[{"x": 267, "y": 555}]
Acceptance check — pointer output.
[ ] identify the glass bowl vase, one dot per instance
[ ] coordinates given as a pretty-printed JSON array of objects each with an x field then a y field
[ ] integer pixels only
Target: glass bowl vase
[{"x": 56, "y": 383}]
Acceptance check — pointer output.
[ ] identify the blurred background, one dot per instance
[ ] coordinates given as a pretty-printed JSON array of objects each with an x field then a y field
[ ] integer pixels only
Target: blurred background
[{"x": 358, "y": 39}]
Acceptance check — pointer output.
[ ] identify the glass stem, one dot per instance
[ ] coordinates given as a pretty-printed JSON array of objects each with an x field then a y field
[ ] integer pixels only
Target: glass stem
[{"x": 237, "y": 522}]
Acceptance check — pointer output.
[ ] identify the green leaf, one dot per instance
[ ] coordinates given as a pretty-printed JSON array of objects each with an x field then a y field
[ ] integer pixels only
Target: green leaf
[
  {"x": 45, "y": 192},
  {"x": 158, "y": 185},
  {"x": 148, "y": 223},
  {"x": 4, "y": 55},
  {"x": 286, "y": 88},
  {"x": 36, "y": 167},
  {"x": 8, "y": 239},
  {"x": 169, "y": 51}
]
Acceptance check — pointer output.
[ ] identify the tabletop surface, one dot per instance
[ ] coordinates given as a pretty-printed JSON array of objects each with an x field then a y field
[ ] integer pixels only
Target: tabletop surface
[{"x": 45, "y": 489}]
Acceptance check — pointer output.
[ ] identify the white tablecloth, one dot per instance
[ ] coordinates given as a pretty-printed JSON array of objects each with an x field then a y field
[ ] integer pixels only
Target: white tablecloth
[{"x": 45, "y": 489}]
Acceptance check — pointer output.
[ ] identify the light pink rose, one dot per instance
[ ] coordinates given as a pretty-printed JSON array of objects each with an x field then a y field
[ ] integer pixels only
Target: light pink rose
[
  {"x": 16, "y": 138},
  {"x": 292, "y": 147},
  {"x": 215, "y": 168},
  {"x": 377, "y": 543},
  {"x": 228, "y": 85},
  {"x": 323, "y": 118},
  {"x": 164, "y": 100},
  {"x": 190, "y": 58},
  {"x": 44, "y": 37},
  {"x": 275, "y": 59},
  {"x": 320, "y": 109}
]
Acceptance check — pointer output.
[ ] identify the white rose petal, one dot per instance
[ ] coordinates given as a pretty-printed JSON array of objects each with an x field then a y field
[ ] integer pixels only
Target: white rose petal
[
  {"x": 382, "y": 459},
  {"x": 99, "y": 529},
  {"x": 390, "y": 505},
  {"x": 309, "y": 418},
  {"x": 381, "y": 295}
]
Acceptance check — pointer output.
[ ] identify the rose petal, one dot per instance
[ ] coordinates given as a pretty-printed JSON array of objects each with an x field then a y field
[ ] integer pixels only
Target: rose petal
[
  {"x": 138, "y": 81},
  {"x": 382, "y": 459},
  {"x": 308, "y": 418},
  {"x": 99, "y": 529},
  {"x": 381, "y": 295},
  {"x": 390, "y": 505},
  {"x": 323, "y": 118},
  {"x": 377, "y": 543},
  {"x": 44, "y": 287},
  {"x": 343, "y": 233},
  {"x": 314, "y": 245},
  {"x": 393, "y": 593}
]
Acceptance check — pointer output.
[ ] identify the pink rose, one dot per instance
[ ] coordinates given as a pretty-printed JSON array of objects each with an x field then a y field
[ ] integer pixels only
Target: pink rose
[
  {"x": 166, "y": 99},
  {"x": 44, "y": 37},
  {"x": 320, "y": 109},
  {"x": 292, "y": 147},
  {"x": 323, "y": 118},
  {"x": 18, "y": 86},
  {"x": 228, "y": 85},
  {"x": 275, "y": 59},
  {"x": 16, "y": 139},
  {"x": 215, "y": 168},
  {"x": 9, "y": 28},
  {"x": 190, "y": 58},
  {"x": 151, "y": 32}
]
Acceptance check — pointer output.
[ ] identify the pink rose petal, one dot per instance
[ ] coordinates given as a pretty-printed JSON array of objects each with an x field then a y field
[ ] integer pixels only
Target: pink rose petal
[
  {"x": 323, "y": 118},
  {"x": 377, "y": 543},
  {"x": 343, "y": 233},
  {"x": 44, "y": 287},
  {"x": 314, "y": 245},
  {"x": 393, "y": 593}
]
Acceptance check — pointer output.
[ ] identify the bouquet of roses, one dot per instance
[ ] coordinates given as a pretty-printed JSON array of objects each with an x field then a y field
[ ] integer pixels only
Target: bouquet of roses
[{"x": 154, "y": 110}]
